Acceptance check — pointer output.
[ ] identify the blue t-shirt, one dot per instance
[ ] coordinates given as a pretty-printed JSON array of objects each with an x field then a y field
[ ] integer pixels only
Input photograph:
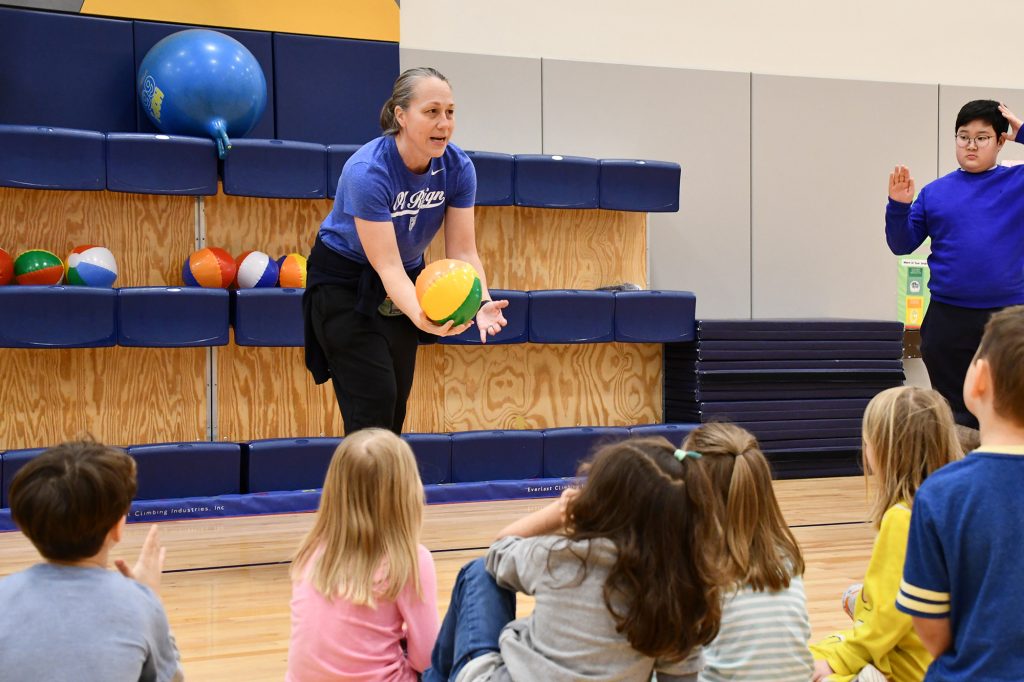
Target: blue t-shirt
[
  {"x": 965, "y": 562},
  {"x": 976, "y": 222},
  {"x": 377, "y": 186}
]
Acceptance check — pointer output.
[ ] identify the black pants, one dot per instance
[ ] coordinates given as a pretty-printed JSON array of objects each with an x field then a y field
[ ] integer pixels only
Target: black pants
[
  {"x": 950, "y": 336},
  {"x": 372, "y": 359}
]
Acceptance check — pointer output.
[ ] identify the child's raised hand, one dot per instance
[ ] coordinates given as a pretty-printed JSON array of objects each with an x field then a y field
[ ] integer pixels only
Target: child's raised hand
[
  {"x": 568, "y": 495},
  {"x": 901, "y": 185},
  {"x": 150, "y": 565},
  {"x": 1015, "y": 124}
]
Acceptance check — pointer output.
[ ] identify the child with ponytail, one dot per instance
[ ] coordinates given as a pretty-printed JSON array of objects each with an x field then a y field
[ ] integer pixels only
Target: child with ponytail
[{"x": 765, "y": 627}]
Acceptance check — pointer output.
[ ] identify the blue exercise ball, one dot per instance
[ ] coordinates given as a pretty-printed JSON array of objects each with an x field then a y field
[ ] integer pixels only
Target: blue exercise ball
[{"x": 202, "y": 82}]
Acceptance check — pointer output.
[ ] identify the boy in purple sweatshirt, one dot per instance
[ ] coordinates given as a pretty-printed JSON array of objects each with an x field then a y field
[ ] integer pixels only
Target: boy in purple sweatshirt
[{"x": 975, "y": 218}]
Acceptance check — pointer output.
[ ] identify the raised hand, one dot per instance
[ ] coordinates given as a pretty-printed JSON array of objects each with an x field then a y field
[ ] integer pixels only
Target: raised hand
[
  {"x": 1015, "y": 124},
  {"x": 901, "y": 185},
  {"x": 150, "y": 565},
  {"x": 490, "y": 319}
]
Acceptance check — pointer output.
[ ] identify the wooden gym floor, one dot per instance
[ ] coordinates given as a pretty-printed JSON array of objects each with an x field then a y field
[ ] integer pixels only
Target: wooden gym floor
[{"x": 226, "y": 586}]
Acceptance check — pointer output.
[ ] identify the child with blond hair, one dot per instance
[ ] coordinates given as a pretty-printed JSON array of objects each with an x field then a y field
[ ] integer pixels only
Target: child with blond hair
[
  {"x": 909, "y": 434},
  {"x": 364, "y": 604},
  {"x": 765, "y": 627}
]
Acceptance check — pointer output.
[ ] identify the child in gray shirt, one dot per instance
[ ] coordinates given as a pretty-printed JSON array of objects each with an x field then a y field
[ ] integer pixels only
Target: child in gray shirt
[
  {"x": 71, "y": 618},
  {"x": 624, "y": 573}
]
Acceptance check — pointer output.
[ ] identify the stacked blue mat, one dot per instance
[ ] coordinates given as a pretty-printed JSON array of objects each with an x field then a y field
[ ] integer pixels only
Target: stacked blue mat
[{"x": 800, "y": 386}]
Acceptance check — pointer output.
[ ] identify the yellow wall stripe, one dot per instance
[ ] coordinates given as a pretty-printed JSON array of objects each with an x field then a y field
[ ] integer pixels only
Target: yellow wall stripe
[{"x": 362, "y": 19}]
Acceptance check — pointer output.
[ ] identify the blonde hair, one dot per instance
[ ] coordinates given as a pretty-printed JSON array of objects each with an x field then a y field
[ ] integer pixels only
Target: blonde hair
[
  {"x": 760, "y": 550},
  {"x": 364, "y": 543},
  {"x": 911, "y": 433}
]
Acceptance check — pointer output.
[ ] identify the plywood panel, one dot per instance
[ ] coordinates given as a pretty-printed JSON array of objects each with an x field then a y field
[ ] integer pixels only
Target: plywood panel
[
  {"x": 149, "y": 235},
  {"x": 119, "y": 395},
  {"x": 267, "y": 393},
  {"x": 542, "y": 386},
  {"x": 274, "y": 226}
]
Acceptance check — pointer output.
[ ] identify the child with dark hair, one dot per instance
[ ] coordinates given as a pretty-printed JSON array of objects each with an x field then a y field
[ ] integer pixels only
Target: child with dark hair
[
  {"x": 964, "y": 549},
  {"x": 973, "y": 216},
  {"x": 624, "y": 572},
  {"x": 71, "y": 618}
]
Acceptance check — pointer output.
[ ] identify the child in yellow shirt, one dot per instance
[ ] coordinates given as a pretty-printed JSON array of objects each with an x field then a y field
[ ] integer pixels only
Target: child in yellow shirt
[{"x": 908, "y": 434}]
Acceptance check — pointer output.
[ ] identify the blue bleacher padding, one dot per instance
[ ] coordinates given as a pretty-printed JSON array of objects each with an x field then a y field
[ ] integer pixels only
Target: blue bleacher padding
[
  {"x": 784, "y": 392},
  {"x": 36, "y": 157},
  {"x": 12, "y": 461},
  {"x": 57, "y": 317},
  {"x": 549, "y": 181},
  {"x": 289, "y": 463},
  {"x": 769, "y": 438},
  {"x": 675, "y": 433},
  {"x": 161, "y": 164},
  {"x": 260, "y": 43},
  {"x": 565, "y": 448},
  {"x": 337, "y": 155},
  {"x": 172, "y": 317},
  {"x": 433, "y": 456},
  {"x": 66, "y": 70},
  {"x": 277, "y": 169},
  {"x": 715, "y": 378},
  {"x": 572, "y": 316},
  {"x": 800, "y": 330},
  {"x": 808, "y": 365},
  {"x": 330, "y": 90},
  {"x": 495, "y": 175},
  {"x": 268, "y": 317},
  {"x": 496, "y": 455},
  {"x": 655, "y": 316},
  {"x": 765, "y": 410},
  {"x": 517, "y": 314},
  {"x": 200, "y": 469},
  {"x": 814, "y": 462},
  {"x": 636, "y": 185},
  {"x": 853, "y": 443},
  {"x": 893, "y": 347}
]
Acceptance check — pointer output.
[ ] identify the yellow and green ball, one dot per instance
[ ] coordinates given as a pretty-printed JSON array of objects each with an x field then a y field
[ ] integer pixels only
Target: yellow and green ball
[{"x": 449, "y": 290}]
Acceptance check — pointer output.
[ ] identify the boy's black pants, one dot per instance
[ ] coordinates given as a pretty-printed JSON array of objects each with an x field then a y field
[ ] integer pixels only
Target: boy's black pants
[
  {"x": 372, "y": 358},
  {"x": 950, "y": 336}
]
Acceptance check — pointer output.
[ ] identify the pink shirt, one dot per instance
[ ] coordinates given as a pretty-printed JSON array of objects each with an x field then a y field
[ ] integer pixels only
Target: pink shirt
[{"x": 336, "y": 640}]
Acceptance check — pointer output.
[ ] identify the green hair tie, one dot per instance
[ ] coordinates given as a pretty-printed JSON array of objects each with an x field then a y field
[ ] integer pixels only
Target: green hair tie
[{"x": 683, "y": 454}]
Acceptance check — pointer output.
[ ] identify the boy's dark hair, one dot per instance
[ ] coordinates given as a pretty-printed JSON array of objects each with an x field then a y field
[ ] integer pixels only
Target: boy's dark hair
[
  {"x": 68, "y": 498},
  {"x": 984, "y": 110},
  {"x": 1002, "y": 347}
]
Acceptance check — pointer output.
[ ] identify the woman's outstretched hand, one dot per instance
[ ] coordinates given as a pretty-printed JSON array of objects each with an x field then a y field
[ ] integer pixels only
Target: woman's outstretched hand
[{"x": 490, "y": 319}]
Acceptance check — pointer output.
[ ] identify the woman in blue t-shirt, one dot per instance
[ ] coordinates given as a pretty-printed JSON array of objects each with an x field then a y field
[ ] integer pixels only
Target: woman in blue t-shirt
[{"x": 363, "y": 320}]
